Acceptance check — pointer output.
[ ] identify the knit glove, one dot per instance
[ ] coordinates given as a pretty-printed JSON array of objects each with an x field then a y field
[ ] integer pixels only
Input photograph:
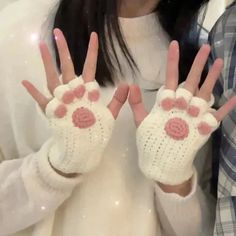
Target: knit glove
[
  {"x": 82, "y": 126},
  {"x": 171, "y": 135}
]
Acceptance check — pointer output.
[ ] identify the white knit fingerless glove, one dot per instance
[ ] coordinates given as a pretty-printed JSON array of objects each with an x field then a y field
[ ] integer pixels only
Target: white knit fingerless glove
[
  {"x": 82, "y": 127},
  {"x": 171, "y": 135}
]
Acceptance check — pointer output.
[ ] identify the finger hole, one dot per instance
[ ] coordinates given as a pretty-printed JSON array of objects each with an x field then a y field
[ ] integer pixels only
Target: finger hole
[
  {"x": 204, "y": 128},
  {"x": 52, "y": 107},
  {"x": 94, "y": 95},
  {"x": 208, "y": 124},
  {"x": 167, "y": 104},
  {"x": 193, "y": 111},
  {"x": 68, "y": 97},
  {"x": 181, "y": 103},
  {"x": 183, "y": 98},
  {"x": 165, "y": 98},
  {"x": 197, "y": 107},
  {"x": 79, "y": 91},
  {"x": 64, "y": 94},
  {"x": 60, "y": 111},
  {"x": 77, "y": 86},
  {"x": 93, "y": 91}
]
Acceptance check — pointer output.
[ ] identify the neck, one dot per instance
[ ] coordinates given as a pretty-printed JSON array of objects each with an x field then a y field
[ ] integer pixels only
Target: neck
[{"x": 135, "y": 8}]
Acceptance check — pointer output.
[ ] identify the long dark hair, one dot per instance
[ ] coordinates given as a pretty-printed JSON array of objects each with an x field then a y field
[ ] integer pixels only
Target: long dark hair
[{"x": 78, "y": 18}]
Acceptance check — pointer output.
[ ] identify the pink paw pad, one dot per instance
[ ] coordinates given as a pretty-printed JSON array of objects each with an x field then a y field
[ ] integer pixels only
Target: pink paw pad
[
  {"x": 61, "y": 111},
  {"x": 167, "y": 104},
  {"x": 177, "y": 129},
  {"x": 94, "y": 95},
  {"x": 83, "y": 118},
  {"x": 193, "y": 111},
  {"x": 204, "y": 128},
  {"x": 181, "y": 103},
  {"x": 79, "y": 91},
  {"x": 68, "y": 97}
]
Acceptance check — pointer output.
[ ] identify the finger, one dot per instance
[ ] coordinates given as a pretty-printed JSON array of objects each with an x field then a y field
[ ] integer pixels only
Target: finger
[
  {"x": 36, "y": 94},
  {"x": 208, "y": 85},
  {"x": 50, "y": 70},
  {"x": 118, "y": 99},
  {"x": 194, "y": 76},
  {"x": 67, "y": 67},
  {"x": 172, "y": 73},
  {"x": 136, "y": 103},
  {"x": 90, "y": 65},
  {"x": 225, "y": 109}
]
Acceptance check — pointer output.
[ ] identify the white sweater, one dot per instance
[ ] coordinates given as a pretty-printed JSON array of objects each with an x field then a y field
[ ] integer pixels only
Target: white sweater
[{"x": 115, "y": 199}]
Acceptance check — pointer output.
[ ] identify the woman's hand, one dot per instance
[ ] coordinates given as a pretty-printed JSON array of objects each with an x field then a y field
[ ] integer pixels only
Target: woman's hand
[
  {"x": 180, "y": 122},
  {"x": 82, "y": 124}
]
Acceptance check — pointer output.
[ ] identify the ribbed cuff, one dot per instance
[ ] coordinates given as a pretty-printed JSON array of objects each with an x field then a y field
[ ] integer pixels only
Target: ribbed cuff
[{"x": 49, "y": 176}]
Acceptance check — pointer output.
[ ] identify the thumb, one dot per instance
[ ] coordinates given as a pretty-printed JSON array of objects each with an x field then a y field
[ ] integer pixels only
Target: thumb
[
  {"x": 136, "y": 103},
  {"x": 118, "y": 99}
]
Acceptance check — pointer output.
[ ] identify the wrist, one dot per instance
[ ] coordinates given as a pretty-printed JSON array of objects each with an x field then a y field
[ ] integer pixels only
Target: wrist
[
  {"x": 183, "y": 189},
  {"x": 47, "y": 174}
]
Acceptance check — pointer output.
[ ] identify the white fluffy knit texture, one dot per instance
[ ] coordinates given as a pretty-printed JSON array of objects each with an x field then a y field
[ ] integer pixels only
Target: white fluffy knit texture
[
  {"x": 162, "y": 157},
  {"x": 78, "y": 150}
]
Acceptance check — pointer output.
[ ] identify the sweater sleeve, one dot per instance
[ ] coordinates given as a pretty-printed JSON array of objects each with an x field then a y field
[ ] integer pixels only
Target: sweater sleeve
[
  {"x": 183, "y": 216},
  {"x": 30, "y": 189}
]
